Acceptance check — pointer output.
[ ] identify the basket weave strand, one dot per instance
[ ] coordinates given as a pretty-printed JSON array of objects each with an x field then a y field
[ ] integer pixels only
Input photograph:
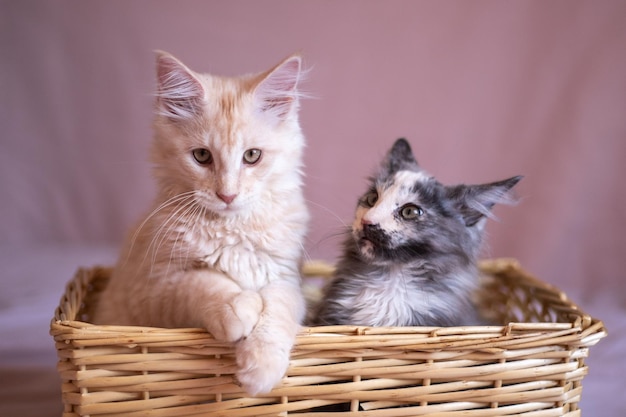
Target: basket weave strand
[{"x": 531, "y": 365}]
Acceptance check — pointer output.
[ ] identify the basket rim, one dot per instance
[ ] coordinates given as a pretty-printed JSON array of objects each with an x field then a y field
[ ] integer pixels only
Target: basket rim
[{"x": 582, "y": 330}]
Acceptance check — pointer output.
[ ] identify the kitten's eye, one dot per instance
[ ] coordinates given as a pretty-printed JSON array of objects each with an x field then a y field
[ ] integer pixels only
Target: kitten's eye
[
  {"x": 371, "y": 198},
  {"x": 252, "y": 156},
  {"x": 411, "y": 211},
  {"x": 202, "y": 156}
]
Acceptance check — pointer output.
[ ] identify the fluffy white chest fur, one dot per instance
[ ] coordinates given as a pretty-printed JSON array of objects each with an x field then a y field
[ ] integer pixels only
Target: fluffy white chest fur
[
  {"x": 252, "y": 253},
  {"x": 388, "y": 302}
]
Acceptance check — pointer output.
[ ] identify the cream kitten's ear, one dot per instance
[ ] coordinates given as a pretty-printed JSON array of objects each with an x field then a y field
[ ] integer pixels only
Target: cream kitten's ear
[
  {"x": 277, "y": 92},
  {"x": 179, "y": 93}
]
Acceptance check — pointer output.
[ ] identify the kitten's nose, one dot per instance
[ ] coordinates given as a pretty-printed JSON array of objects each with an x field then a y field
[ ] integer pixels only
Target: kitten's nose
[
  {"x": 375, "y": 234},
  {"x": 368, "y": 226},
  {"x": 226, "y": 198}
]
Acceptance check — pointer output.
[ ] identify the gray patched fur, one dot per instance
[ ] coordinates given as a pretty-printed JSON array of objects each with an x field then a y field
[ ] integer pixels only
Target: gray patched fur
[{"x": 410, "y": 258}]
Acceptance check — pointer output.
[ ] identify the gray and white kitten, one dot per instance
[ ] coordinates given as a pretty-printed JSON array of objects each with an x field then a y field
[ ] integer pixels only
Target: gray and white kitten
[{"x": 410, "y": 259}]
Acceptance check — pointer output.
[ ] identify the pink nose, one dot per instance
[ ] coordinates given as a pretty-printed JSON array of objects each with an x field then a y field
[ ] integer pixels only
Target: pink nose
[{"x": 226, "y": 198}]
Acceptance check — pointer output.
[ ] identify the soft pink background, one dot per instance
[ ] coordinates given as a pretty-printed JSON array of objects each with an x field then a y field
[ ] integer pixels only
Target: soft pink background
[{"x": 483, "y": 90}]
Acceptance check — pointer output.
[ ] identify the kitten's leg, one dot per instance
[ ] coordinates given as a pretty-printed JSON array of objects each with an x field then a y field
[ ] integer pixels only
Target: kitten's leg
[
  {"x": 263, "y": 356},
  {"x": 236, "y": 318},
  {"x": 212, "y": 300}
]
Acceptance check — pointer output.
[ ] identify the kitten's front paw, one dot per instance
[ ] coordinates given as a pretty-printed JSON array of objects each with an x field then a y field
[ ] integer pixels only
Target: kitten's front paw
[
  {"x": 238, "y": 317},
  {"x": 261, "y": 364}
]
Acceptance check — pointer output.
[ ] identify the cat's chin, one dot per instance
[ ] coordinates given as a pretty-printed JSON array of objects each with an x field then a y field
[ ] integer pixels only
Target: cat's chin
[
  {"x": 370, "y": 252},
  {"x": 366, "y": 248},
  {"x": 229, "y": 211},
  {"x": 226, "y": 210}
]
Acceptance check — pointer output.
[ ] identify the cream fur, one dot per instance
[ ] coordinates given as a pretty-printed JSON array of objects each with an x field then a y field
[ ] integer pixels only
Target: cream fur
[{"x": 196, "y": 261}]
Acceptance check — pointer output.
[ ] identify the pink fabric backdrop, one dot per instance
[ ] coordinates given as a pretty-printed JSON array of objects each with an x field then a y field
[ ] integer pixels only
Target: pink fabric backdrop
[{"x": 483, "y": 90}]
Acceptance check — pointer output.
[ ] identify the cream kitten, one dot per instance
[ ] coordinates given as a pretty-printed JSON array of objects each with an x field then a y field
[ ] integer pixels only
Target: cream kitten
[{"x": 222, "y": 246}]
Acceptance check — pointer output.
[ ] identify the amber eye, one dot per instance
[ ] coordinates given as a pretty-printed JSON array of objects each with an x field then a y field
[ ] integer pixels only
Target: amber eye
[
  {"x": 371, "y": 198},
  {"x": 252, "y": 156},
  {"x": 411, "y": 211},
  {"x": 202, "y": 156}
]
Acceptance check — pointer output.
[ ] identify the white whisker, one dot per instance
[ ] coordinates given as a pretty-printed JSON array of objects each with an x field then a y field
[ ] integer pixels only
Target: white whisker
[
  {"x": 305, "y": 254},
  {"x": 169, "y": 226},
  {"x": 165, "y": 228},
  {"x": 179, "y": 236},
  {"x": 331, "y": 235},
  {"x": 176, "y": 199},
  {"x": 194, "y": 218},
  {"x": 328, "y": 211}
]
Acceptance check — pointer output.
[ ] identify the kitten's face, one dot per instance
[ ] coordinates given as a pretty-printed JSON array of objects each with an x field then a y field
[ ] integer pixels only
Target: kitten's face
[
  {"x": 404, "y": 217},
  {"x": 230, "y": 143},
  {"x": 408, "y": 215},
  {"x": 230, "y": 163}
]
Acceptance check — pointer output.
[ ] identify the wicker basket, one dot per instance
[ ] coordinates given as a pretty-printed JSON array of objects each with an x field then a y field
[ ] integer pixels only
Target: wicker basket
[{"x": 533, "y": 366}]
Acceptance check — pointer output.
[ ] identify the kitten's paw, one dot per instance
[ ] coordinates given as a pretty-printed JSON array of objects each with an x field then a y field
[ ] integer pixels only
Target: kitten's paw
[
  {"x": 261, "y": 364},
  {"x": 239, "y": 317}
]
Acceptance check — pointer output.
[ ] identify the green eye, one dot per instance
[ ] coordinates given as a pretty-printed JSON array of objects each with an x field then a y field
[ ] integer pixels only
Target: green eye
[
  {"x": 252, "y": 156},
  {"x": 371, "y": 198},
  {"x": 411, "y": 211},
  {"x": 202, "y": 156}
]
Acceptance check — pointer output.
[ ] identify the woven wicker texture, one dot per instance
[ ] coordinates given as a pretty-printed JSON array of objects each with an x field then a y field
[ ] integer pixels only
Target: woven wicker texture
[{"x": 531, "y": 366}]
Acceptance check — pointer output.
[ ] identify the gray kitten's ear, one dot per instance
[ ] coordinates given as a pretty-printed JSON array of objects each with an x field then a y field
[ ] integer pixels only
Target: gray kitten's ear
[
  {"x": 399, "y": 158},
  {"x": 476, "y": 201},
  {"x": 180, "y": 94},
  {"x": 277, "y": 92}
]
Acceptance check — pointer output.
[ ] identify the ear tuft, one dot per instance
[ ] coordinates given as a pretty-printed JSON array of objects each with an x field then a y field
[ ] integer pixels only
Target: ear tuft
[
  {"x": 476, "y": 201},
  {"x": 277, "y": 92},
  {"x": 399, "y": 158},
  {"x": 179, "y": 93}
]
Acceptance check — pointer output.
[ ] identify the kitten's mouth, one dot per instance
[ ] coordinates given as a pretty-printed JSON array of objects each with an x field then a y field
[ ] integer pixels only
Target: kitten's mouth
[
  {"x": 366, "y": 246},
  {"x": 374, "y": 235},
  {"x": 229, "y": 208},
  {"x": 371, "y": 241},
  {"x": 220, "y": 206}
]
